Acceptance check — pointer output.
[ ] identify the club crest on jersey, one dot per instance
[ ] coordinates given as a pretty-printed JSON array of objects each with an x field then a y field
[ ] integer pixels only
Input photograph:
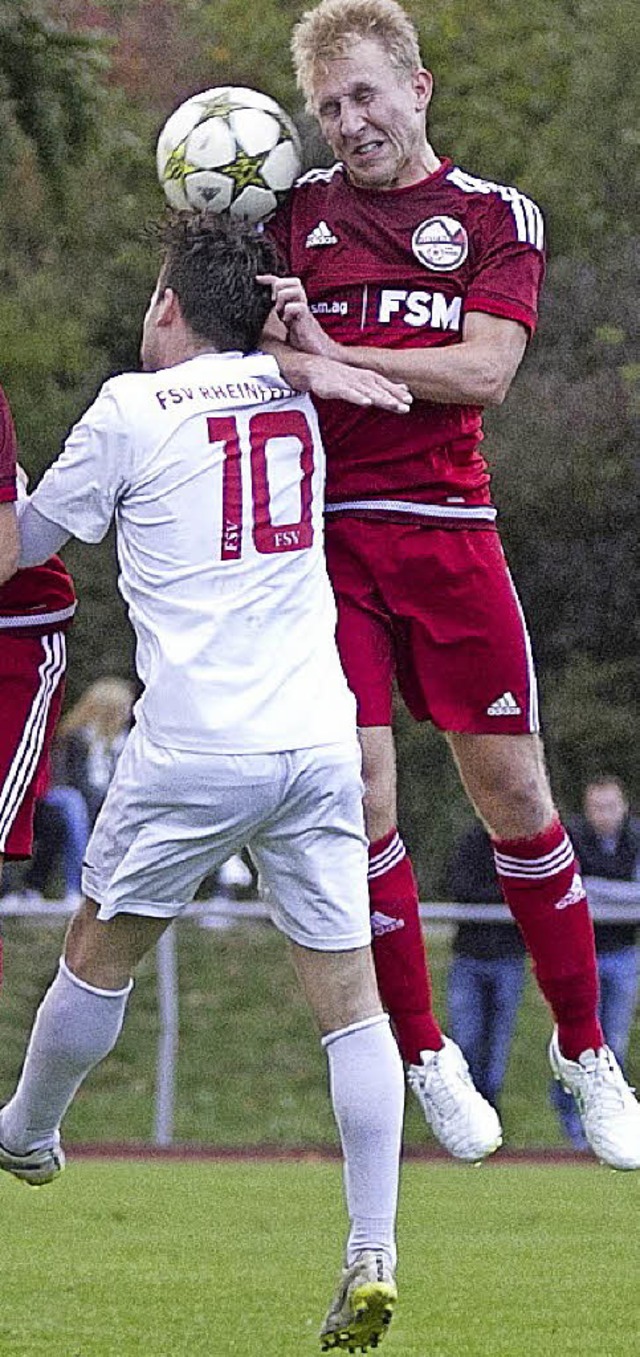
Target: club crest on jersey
[{"x": 440, "y": 243}]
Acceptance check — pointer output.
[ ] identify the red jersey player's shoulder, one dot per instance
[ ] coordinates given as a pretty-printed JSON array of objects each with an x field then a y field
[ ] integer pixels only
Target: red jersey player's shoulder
[
  {"x": 502, "y": 206},
  {"x": 303, "y": 206}
]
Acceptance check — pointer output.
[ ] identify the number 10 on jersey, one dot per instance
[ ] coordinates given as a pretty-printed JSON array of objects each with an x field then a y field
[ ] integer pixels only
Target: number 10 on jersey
[{"x": 264, "y": 427}]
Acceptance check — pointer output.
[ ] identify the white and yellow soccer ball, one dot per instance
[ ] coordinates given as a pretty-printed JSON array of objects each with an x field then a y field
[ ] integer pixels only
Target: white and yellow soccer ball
[{"x": 230, "y": 150}]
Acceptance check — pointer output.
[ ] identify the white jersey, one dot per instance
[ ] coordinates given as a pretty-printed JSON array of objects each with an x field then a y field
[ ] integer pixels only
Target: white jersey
[{"x": 214, "y": 471}]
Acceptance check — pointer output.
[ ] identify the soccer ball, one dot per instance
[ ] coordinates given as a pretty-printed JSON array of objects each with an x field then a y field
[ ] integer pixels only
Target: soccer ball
[{"x": 230, "y": 150}]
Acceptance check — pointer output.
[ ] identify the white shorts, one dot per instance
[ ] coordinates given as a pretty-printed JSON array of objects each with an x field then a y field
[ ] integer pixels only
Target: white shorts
[{"x": 172, "y": 817}]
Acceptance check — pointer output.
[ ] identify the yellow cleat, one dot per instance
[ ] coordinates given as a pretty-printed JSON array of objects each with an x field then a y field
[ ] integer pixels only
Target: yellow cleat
[{"x": 363, "y": 1307}]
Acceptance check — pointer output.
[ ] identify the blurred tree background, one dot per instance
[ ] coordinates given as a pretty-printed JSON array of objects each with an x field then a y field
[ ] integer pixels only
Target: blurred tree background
[{"x": 539, "y": 92}]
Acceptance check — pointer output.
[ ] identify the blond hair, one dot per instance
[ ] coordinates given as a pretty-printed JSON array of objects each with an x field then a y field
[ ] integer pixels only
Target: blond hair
[
  {"x": 326, "y": 32},
  {"x": 104, "y": 708}
]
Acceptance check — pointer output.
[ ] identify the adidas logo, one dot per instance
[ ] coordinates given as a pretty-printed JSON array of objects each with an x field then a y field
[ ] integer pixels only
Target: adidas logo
[
  {"x": 575, "y": 893},
  {"x": 504, "y": 706},
  {"x": 383, "y": 923},
  {"x": 321, "y": 235}
]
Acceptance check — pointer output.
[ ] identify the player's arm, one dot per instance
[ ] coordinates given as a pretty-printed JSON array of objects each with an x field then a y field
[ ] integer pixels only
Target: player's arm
[
  {"x": 323, "y": 376},
  {"x": 39, "y": 537},
  {"x": 477, "y": 371},
  {"x": 337, "y": 381},
  {"x": 78, "y": 494},
  {"x": 9, "y": 541}
]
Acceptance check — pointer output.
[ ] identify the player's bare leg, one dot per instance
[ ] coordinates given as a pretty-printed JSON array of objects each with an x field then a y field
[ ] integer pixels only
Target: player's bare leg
[
  {"x": 506, "y": 779},
  {"x": 367, "y": 1093},
  {"x": 107, "y": 954},
  {"x": 460, "y": 1118},
  {"x": 77, "y": 1025}
]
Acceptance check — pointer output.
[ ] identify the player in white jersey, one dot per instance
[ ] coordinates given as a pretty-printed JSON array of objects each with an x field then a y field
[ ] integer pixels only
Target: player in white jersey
[
  {"x": 245, "y": 734},
  {"x": 222, "y": 444}
]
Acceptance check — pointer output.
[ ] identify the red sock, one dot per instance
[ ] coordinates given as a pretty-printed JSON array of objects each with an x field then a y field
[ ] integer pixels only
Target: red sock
[
  {"x": 543, "y": 888},
  {"x": 398, "y": 948}
]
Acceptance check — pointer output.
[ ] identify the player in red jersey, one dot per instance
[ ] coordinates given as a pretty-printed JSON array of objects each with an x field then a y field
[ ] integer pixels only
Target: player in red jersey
[
  {"x": 430, "y": 275},
  {"x": 36, "y": 607}
]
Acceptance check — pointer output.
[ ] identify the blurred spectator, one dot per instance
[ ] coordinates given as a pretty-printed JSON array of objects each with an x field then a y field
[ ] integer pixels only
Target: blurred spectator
[
  {"x": 90, "y": 739},
  {"x": 607, "y": 842},
  {"x": 487, "y": 973},
  {"x": 61, "y": 833}
]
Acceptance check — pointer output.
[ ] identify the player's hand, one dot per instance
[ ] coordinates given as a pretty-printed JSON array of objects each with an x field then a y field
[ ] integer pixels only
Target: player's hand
[
  {"x": 292, "y": 308},
  {"x": 330, "y": 377},
  {"x": 360, "y": 386}
]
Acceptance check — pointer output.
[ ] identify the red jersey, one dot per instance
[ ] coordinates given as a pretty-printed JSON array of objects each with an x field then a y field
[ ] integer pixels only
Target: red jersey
[
  {"x": 41, "y": 598},
  {"x": 397, "y": 269}
]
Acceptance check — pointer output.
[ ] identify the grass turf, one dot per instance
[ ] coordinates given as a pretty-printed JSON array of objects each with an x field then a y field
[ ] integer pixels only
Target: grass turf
[{"x": 239, "y": 1260}]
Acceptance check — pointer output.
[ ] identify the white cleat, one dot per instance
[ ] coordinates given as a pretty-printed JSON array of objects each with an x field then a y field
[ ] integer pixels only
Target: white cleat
[
  {"x": 36, "y": 1167},
  {"x": 461, "y": 1119},
  {"x": 609, "y": 1112}
]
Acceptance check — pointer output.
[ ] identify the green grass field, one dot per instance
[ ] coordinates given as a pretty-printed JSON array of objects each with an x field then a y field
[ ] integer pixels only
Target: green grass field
[
  {"x": 250, "y": 1069},
  {"x": 208, "y": 1260}
]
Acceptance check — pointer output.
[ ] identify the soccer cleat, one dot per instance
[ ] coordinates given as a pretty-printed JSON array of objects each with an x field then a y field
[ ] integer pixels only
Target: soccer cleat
[
  {"x": 461, "y": 1119},
  {"x": 363, "y": 1308},
  {"x": 609, "y": 1112},
  {"x": 37, "y": 1167}
]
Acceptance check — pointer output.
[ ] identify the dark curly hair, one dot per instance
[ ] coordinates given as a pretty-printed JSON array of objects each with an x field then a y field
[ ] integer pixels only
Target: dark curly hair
[{"x": 211, "y": 262}]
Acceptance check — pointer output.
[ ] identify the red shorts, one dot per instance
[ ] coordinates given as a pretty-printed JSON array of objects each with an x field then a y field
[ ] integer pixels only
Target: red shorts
[
  {"x": 436, "y": 609},
  {"x": 32, "y": 670}
]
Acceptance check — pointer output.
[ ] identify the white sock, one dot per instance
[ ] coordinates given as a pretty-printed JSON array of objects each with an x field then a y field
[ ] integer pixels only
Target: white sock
[
  {"x": 76, "y": 1026},
  {"x": 367, "y": 1091}
]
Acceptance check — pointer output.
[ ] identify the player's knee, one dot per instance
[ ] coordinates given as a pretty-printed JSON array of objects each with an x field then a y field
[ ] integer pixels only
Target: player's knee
[
  {"x": 528, "y": 792},
  {"x": 91, "y": 953},
  {"x": 83, "y": 956},
  {"x": 379, "y": 810},
  {"x": 378, "y": 773},
  {"x": 522, "y": 806},
  {"x": 82, "y": 922},
  {"x": 355, "y": 997},
  {"x": 340, "y": 987},
  {"x": 379, "y": 798}
]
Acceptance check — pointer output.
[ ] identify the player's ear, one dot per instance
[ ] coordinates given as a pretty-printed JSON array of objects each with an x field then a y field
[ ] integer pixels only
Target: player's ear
[
  {"x": 422, "y": 82},
  {"x": 167, "y": 306}
]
